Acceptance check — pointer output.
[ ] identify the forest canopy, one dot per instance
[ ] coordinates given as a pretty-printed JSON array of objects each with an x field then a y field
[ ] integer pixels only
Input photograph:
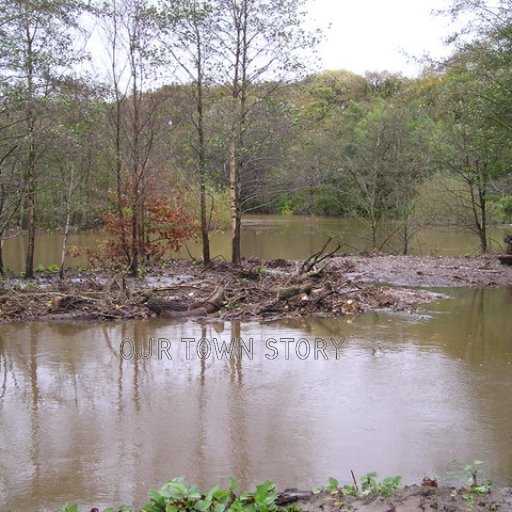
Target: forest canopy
[{"x": 162, "y": 120}]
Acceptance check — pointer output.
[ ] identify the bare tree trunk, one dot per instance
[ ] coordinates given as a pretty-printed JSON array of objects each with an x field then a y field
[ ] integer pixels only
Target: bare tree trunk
[
  {"x": 201, "y": 155},
  {"x": 135, "y": 200},
  {"x": 482, "y": 196},
  {"x": 406, "y": 235},
  {"x": 478, "y": 209},
  {"x": 205, "y": 227},
  {"x": 31, "y": 199},
  {"x": 134, "y": 260},
  {"x": 239, "y": 98},
  {"x": 374, "y": 224},
  {"x": 64, "y": 243},
  {"x": 204, "y": 222},
  {"x": 117, "y": 121},
  {"x": 68, "y": 222},
  {"x": 236, "y": 213},
  {"x": 2, "y": 270}
]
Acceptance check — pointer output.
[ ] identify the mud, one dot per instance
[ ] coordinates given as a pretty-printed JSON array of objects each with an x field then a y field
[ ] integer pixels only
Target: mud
[
  {"x": 259, "y": 290},
  {"x": 427, "y": 271},
  {"x": 412, "y": 498}
]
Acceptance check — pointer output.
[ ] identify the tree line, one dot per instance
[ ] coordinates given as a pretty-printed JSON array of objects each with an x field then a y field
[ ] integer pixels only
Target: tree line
[{"x": 159, "y": 120}]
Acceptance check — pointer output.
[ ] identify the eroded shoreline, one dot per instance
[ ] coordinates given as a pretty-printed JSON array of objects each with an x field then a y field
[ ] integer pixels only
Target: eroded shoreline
[{"x": 259, "y": 290}]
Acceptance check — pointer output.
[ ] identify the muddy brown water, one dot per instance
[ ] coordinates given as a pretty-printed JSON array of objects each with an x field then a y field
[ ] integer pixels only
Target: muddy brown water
[
  {"x": 82, "y": 421},
  {"x": 273, "y": 236}
]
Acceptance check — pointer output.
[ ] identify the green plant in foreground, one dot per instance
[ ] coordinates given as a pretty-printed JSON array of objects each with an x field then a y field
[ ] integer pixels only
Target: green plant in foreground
[
  {"x": 69, "y": 508},
  {"x": 473, "y": 472},
  {"x": 74, "y": 508},
  {"x": 334, "y": 488},
  {"x": 175, "y": 496},
  {"x": 387, "y": 487},
  {"x": 369, "y": 486}
]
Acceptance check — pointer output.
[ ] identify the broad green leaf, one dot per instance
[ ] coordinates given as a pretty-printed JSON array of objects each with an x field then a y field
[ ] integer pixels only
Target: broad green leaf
[{"x": 234, "y": 485}]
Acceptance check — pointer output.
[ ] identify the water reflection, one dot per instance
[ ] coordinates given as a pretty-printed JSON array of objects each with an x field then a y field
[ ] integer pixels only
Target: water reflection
[
  {"x": 79, "y": 423},
  {"x": 273, "y": 236}
]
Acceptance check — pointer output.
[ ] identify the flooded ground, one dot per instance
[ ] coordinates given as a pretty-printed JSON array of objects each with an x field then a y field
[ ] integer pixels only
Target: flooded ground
[
  {"x": 84, "y": 420},
  {"x": 274, "y": 236}
]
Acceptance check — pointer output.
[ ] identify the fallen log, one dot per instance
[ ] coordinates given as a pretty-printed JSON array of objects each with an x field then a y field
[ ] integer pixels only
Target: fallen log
[
  {"x": 309, "y": 263},
  {"x": 506, "y": 259},
  {"x": 173, "y": 314},
  {"x": 177, "y": 309},
  {"x": 291, "y": 291},
  {"x": 213, "y": 303},
  {"x": 508, "y": 241},
  {"x": 158, "y": 306}
]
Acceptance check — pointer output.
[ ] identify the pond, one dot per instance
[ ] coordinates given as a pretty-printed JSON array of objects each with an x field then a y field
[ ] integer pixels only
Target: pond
[
  {"x": 82, "y": 421},
  {"x": 275, "y": 236}
]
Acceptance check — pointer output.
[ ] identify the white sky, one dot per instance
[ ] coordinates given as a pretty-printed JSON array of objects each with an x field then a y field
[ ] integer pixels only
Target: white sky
[{"x": 377, "y": 35}]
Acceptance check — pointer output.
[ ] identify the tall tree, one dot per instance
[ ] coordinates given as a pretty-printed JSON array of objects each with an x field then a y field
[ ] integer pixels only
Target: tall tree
[
  {"x": 130, "y": 29},
  {"x": 188, "y": 27},
  {"x": 259, "y": 44},
  {"x": 470, "y": 147},
  {"x": 36, "y": 48}
]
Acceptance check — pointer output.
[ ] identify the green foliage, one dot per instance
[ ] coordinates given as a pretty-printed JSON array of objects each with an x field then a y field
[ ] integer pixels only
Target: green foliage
[
  {"x": 473, "y": 472},
  {"x": 74, "y": 508},
  {"x": 286, "y": 206},
  {"x": 176, "y": 496},
  {"x": 333, "y": 485},
  {"x": 369, "y": 486},
  {"x": 69, "y": 508},
  {"x": 379, "y": 146},
  {"x": 505, "y": 205}
]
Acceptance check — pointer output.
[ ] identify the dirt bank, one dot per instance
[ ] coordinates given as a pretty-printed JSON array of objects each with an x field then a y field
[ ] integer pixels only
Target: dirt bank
[
  {"x": 260, "y": 290},
  {"x": 412, "y": 498},
  {"x": 425, "y": 271}
]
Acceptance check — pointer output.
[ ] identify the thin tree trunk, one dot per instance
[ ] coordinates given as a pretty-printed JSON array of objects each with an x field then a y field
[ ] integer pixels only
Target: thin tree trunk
[
  {"x": 239, "y": 97},
  {"x": 64, "y": 243},
  {"x": 31, "y": 190},
  {"x": 482, "y": 189},
  {"x": 2, "y": 270},
  {"x": 68, "y": 222},
  {"x": 204, "y": 223},
  {"x": 205, "y": 228},
  {"x": 234, "y": 190},
  {"x": 201, "y": 154},
  {"x": 117, "y": 139}
]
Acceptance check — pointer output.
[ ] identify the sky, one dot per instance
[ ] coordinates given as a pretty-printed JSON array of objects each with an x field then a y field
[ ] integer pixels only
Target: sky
[{"x": 378, "y": 35}]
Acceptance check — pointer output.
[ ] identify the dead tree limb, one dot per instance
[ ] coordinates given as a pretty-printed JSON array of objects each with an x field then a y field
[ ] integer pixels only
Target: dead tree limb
[
  {"x": 291, "y": 291},
  {"x": 317, "y": 257},
  {"x": 213, "y": 303}
]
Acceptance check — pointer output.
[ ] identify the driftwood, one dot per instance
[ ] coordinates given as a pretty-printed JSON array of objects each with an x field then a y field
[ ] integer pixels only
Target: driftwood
[
  {"x": 172, "y": 313},
  {"x": 508, "y": 241},
  {"x": 291, "y": 291},
  {"x": 218, "y": 292},
  {"x": 213, "y": 303},
  {"x": 284, "y": 293},
  {"x": 292, "y": 496},
  {"x": 177, "y": 309},
  {"x": 309, "y": 263},
  {"x": 158, "y": 306},
  {"x": 507, "y": 258}
]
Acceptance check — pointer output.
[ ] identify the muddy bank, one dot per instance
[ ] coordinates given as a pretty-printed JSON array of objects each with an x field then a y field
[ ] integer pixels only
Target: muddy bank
[
  {"x": 425, "y": 271},
  {"x": 412, "y": 498},
  {"x": 260, "y": 290}
]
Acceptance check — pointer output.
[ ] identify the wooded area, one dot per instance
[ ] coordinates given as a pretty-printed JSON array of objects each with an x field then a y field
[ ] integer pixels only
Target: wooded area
[{"x": 165, "y": 120}]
